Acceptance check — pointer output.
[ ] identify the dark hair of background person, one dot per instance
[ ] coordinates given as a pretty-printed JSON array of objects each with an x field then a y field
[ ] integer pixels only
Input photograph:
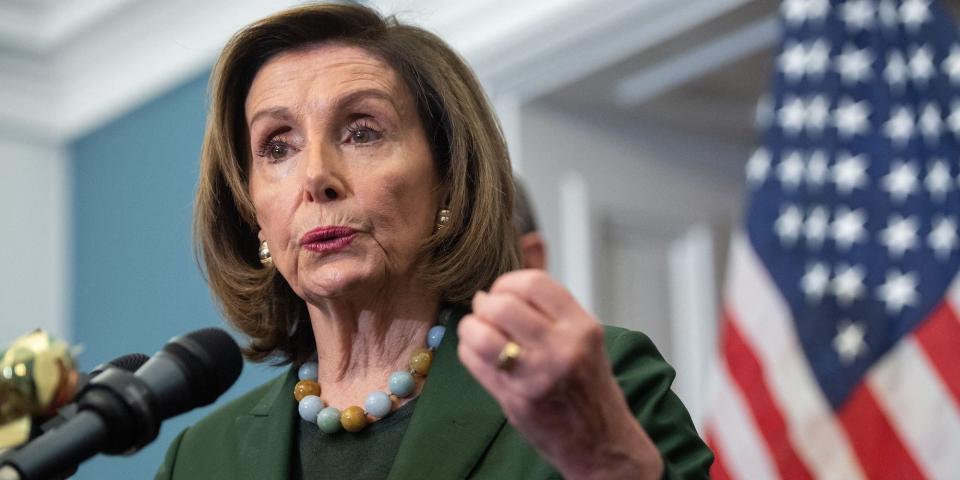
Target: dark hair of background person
[
  {"x": 524, "y": 218},
  {"x": 469, "y": 154}
]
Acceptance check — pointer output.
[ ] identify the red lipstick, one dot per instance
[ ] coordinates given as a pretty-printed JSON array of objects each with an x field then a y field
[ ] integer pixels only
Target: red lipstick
[{"x": 327, "y": 239}]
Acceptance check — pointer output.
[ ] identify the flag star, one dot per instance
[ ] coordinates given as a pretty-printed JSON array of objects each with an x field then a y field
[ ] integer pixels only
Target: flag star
[
  {"x": 850, "y": 172},
  {"x": 858, "y": 14},
  {"x": 758, "y": 167},
  {"x": 817, "y": 169},
  {"x": 898, "y": 291},
  {"x": 943, "y": 236},
  {"x": 792, "y": 115},
  {"x": 847, "y": 227},
  {"x": 901, "y": 181},
  {"x": 816, "y": 226},
  {"x": 953, "y": 121},
  {"x": 788, "y": 225},
  {"x": 888, "y": 14},
  {"x": 794, "y": 11},
  {"x": 818, "y": 57},
  {"x": 900, "y": 235},
  {"x": 817, "y": 113},
  {"x": 849, "y": 342},
  {"x": 931, "y": 123},
  {"x": 817, "y": 9},
  {"x": 790, "y": 170},
  {"x": 900, "y": 126},
  {"x": 851, "y": 117},
  {"x": 938, "y": 180},
  {"x": 914, "y": 12},
  {"x": 793, "y": 61},
  {"x": 815, "y": 281},
  {"x": 921, "y": 64},
  {"x": 951, "y": 64},
  {"x": 854, "y": 64},
  {"x": 847, "y": 284},
  {"x": 896, "y": 71}
]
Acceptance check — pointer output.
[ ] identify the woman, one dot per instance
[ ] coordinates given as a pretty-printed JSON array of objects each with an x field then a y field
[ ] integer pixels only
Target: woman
[{"x": 355, "y": 200}]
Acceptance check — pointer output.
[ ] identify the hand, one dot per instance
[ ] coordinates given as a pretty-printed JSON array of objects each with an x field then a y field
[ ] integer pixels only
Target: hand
[{"x": 561, "y": 393}]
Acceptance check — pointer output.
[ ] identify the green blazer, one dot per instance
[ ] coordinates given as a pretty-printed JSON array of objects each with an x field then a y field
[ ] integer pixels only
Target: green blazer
[{"x": 457, "y": 430}]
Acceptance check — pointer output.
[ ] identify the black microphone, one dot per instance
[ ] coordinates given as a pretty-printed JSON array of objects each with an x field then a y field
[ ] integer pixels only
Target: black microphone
[
  {"x": 129, "y": 362},
  {"x": 120, "y": 412}
]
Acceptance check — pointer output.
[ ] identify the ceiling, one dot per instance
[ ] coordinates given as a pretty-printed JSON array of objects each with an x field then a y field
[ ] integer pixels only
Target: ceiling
[{"x": 636, "y": 60}]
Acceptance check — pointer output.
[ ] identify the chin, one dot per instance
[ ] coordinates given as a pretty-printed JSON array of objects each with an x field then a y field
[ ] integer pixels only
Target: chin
[{"x": 334, "y": 283}]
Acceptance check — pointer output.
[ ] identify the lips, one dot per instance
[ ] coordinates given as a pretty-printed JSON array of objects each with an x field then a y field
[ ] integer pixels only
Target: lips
[{"x": 327, "y": 239}]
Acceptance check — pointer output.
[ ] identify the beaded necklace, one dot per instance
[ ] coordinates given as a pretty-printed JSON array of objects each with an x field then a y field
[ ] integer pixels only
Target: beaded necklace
[{"x": 378, "y": 404}]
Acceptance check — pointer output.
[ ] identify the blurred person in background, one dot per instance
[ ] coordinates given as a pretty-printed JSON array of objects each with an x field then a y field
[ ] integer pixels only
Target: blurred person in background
[
  {"x": 354, "y": 217},
  {"x": 530, "y": 244}
]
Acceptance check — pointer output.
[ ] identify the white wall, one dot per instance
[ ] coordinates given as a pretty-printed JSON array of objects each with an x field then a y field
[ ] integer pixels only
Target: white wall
[
  {"x": 34, "y": 238},
  {"x": 647, "y": 187}
]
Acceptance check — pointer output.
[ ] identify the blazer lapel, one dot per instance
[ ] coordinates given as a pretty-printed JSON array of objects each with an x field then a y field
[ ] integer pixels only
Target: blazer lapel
[
  {"x": 265, "y": 433},
  {"x": 454, "y": 422}
]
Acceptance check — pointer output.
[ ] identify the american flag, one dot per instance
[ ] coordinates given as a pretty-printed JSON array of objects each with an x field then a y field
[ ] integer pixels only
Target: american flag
[{"x": 840, "y": 345}]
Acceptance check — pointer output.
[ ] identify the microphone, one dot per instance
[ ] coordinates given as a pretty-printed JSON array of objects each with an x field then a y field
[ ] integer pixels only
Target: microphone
[
  {"x": 120, "y": 412},
  {"x": 129, "y": 362}
]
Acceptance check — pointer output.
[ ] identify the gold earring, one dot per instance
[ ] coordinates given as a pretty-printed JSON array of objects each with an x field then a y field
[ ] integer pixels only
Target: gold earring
[
  {"x": 443, "y": 218},
  {"x": 265, "y": 259}
]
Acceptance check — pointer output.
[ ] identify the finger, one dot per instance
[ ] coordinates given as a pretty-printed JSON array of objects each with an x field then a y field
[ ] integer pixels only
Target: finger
[
  {"x": 486, "y": 374},
  {"x": 543, "y": 292},
  {"x": 512, "y": 315},
  {"x": 482, "y": 338}
]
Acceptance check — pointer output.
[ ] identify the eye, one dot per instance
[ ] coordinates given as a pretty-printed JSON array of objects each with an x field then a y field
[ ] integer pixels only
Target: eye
[
  {"x": 275, "y": 149},
  {"x": 361, "y": 133}
]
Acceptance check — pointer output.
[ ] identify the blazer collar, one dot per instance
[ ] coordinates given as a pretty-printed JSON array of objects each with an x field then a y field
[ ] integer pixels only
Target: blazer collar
[
  {"x": 266, "y": 432},
  {"x": 455, "y": 420}
]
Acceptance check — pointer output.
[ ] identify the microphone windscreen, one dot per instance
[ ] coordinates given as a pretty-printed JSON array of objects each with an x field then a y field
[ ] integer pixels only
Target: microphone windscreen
[{"x": 210, "y": 359}]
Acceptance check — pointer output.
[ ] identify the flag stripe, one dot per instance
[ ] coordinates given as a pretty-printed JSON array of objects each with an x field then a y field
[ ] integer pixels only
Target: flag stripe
[
  {"x": 749, "y": 376},
  {"x": 881, "y": 453},
  {"x": 929, "y": 424},
  {"x": 764, "y": 322},
  {"x": 718, "y": 471},
  {"x": 735, "y": 433},
  {"x": 940, "y": 339}
]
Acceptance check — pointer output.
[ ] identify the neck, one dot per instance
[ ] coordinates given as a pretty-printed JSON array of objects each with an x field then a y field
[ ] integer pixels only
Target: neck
[{"x": 360, "y": 344}]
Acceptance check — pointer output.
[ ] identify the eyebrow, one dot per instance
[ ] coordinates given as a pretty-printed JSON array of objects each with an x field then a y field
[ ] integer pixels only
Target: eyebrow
[{"x": 340, "y": 103}]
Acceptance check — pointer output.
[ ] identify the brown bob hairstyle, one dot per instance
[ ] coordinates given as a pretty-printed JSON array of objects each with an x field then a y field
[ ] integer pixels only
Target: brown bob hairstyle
[{"x": 469, "y": 154}]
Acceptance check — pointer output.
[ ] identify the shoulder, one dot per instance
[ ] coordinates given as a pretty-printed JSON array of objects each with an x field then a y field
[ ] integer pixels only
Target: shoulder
[
  {"x": 260, "y": 399},
  {"x": 646, "y": 379},
  {"x": 214, "y": 446}
]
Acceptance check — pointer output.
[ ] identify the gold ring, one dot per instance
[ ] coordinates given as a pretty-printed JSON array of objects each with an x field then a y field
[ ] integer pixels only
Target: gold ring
[{"x": 508, "y": 356}]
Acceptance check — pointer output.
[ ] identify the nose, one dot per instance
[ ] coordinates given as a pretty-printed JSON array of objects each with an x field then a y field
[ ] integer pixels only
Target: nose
[{"x": 324, "y": 180}]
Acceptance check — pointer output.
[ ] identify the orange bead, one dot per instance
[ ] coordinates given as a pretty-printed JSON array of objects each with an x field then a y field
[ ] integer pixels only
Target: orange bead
[
  {"x": 353, "y": 419},
  {"x": 304, "y": 388},
  {"x": 420, "y": 361}
]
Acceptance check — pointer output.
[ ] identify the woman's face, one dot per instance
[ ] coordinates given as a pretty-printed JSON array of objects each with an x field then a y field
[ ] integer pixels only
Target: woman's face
[{"x": 342, "y": 177}]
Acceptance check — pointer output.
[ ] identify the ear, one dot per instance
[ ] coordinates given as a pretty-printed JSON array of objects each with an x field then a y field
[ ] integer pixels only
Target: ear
[{"x": 533, "y": 251}]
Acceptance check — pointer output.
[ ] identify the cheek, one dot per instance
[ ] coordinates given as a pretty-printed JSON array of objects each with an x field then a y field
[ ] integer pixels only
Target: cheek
[{"x": 274, "y": 205}]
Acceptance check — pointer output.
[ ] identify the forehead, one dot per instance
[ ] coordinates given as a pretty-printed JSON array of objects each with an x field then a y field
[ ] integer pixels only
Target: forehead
[{"x": 319, "y": 74}]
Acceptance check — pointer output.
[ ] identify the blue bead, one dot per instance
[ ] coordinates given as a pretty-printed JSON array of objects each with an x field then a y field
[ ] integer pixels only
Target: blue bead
[
  {"x": 401, "y": 384},
  {"x": 309, "y": 407},
  {"x": 435, "y": 336},
  {"x": 378, "y": 404},
  {"x": 329, "y": 420},
  {"x": 308, "y": 371}
]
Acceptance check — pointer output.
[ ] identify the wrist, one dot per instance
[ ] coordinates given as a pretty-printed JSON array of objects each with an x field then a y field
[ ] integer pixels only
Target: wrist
[{"x": 629, "y": 455}]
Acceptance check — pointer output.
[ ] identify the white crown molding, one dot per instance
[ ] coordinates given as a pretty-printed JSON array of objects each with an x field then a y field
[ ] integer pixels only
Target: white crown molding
[{"x": 86, "y": 65}]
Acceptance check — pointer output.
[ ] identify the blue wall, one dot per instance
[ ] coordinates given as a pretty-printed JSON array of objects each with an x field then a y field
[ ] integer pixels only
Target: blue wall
[{"x": 136, "y": 283}]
